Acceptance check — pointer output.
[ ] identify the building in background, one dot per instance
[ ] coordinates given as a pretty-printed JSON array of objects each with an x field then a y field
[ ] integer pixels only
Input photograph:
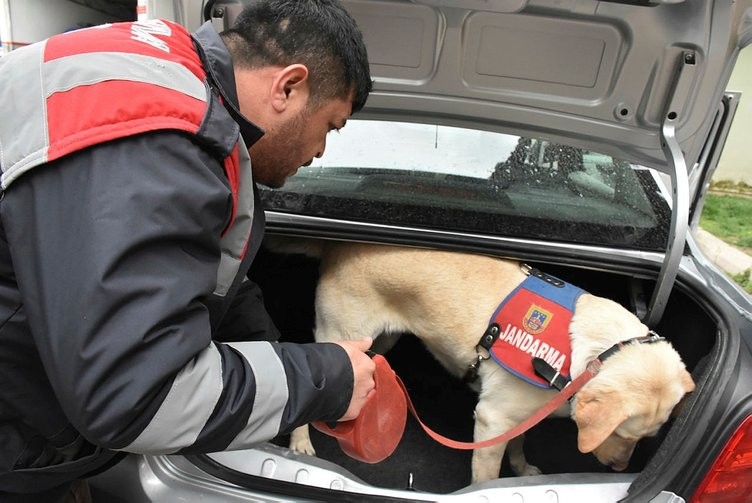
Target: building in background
[
  {"x": 26, "y": 21},
  {"x": 735, "y": 163}
]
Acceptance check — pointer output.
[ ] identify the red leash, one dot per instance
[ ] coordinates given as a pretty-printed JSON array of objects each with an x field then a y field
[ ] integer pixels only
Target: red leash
[
  {"x": 375, "y": 433},
  {"x": 521, "y": 428}
]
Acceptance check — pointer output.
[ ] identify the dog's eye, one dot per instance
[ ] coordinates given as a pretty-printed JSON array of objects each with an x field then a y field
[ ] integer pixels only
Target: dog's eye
[
  {"x": 626, "y": 437},
  {"x": 635, "y": 437}
]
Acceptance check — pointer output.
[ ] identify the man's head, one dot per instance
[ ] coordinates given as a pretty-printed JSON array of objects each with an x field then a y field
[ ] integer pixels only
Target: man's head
[{"x": 301, "y": 69}]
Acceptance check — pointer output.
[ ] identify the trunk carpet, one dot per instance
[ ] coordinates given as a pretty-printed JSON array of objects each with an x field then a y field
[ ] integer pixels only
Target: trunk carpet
[{"x": 445, "y": 404}]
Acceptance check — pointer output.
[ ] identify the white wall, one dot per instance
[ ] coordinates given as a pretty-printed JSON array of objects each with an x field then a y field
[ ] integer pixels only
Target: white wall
[
  {"x": 735, "y": 163},
  {"x": 33, "y": 20},
  {"x": 186, "y": 12},
  {"x": 5, "y": 31}
]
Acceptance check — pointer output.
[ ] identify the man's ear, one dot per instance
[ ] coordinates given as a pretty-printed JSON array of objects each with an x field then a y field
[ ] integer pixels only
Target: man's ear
[
  {"x": 597, "y": 414},
  {"x": 290, "y": 88}
]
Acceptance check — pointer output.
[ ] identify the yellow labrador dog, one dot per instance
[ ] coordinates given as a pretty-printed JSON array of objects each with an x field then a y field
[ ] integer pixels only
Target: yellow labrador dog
[{"x": 447, "y": 298}]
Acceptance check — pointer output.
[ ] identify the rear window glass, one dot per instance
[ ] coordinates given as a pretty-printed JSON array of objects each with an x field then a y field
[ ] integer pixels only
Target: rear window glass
[{"x": 459, "y": 179}]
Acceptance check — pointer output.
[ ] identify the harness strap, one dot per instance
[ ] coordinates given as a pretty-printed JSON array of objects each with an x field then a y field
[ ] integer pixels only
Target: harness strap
[{"x": 550, "y": 374}]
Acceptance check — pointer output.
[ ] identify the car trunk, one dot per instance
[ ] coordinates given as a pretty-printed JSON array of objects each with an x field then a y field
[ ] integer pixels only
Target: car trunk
[{"x": 446, "y": 404}]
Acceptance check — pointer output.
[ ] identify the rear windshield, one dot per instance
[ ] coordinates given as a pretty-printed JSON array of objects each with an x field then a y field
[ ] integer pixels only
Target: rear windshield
[{"x": 467, "y": 180}]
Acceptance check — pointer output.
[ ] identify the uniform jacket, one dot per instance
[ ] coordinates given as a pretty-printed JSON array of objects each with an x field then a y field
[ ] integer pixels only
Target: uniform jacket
[{"x": 128, "y": 219}]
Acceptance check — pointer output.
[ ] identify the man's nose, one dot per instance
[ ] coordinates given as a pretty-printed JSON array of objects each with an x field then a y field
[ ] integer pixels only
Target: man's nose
[{"x": 320, "y": 153}]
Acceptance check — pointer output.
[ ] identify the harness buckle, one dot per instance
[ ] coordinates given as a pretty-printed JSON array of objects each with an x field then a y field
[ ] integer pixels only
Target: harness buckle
[
  {"x": 551, "y": 375},
  {"x": 471, "y": 375},
  {"x": 652, "y": 337},
  {"x": 486, "y": 341}
]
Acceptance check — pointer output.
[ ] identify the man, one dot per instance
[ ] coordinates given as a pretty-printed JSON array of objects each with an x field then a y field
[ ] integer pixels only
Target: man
[{"x": 128, "y": 220}]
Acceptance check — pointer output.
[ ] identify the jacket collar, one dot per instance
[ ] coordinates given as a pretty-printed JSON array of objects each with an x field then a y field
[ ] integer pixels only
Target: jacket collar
[{"x": 218, "y": 63}]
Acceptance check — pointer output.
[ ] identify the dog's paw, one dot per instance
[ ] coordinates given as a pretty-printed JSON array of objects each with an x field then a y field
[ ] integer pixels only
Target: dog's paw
[
  {"x": 303, "y": 447},
  {"x": 526, "y": 470},
  {"x": 300, "y": 441}
]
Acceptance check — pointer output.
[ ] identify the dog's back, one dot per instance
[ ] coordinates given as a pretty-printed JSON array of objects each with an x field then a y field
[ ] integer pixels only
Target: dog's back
[{"x": 444, "y": 298}]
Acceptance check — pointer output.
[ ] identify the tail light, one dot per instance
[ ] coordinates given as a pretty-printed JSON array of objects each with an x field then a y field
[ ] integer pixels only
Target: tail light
[{"x": 729, "y": 480}]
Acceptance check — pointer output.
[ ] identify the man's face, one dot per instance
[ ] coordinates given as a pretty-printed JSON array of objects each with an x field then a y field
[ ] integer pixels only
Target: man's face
[{"x": 294, "y": 141}]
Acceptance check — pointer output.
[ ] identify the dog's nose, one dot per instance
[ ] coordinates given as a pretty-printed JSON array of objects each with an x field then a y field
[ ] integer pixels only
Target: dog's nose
[{"x": 619, "y": 466}]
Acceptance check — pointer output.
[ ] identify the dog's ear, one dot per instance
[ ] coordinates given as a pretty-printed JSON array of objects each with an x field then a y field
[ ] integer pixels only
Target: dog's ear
[
  {"x": 687, "y": 383},
  {"x": 597, "y": 414}
]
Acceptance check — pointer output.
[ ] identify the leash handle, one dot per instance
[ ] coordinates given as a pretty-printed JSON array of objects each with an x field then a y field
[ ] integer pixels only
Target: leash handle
[{"x": 521, "y": 428}]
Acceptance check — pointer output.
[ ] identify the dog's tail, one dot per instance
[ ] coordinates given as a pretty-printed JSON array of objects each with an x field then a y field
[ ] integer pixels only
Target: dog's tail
[{"x": 311, "y": 247}]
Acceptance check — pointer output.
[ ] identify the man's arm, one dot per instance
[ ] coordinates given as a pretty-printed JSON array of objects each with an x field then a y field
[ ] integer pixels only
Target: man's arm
[{"x": 115, "y": 249}]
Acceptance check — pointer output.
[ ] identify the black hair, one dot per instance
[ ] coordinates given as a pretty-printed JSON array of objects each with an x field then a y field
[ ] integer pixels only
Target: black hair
[{"x": 320, "y": 34}]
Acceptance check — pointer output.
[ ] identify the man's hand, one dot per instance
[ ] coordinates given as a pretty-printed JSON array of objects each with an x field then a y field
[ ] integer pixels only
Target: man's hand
[{"x": 363, "y": 369}]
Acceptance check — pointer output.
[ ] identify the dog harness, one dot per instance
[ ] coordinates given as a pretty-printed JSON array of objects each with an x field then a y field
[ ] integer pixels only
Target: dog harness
[{"x": 528, "y": 333}]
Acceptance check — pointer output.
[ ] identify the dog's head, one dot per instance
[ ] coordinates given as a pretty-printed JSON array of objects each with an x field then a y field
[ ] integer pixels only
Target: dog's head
[{"x": 631, "y": 398}]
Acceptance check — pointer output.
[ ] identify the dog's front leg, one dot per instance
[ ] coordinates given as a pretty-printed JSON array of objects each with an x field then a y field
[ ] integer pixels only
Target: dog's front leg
[
  {"x": 300, "y": 440},
  {"x": 486, "y": 463}
]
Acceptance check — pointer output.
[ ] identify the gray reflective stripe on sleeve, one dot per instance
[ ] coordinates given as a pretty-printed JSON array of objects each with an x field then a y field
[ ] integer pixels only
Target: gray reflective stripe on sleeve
[
  {"x": 186, "y": 408},
  {"x": 23, "y": 126},
  {"x": 64, "y": 74},
  {"x": 271, "y": 394},
  {"x": 235, "y": 240}
]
